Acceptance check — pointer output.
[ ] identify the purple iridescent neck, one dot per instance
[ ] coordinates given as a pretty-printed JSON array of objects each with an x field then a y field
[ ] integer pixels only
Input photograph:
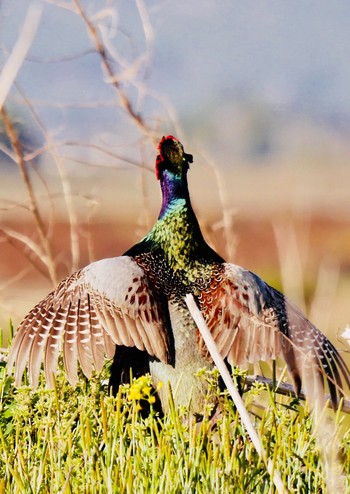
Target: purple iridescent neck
[{"x": 174, "y": 190}]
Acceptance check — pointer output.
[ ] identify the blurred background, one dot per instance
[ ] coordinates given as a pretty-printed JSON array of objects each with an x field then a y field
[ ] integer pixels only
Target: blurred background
[{"x": 258, "y": 92}]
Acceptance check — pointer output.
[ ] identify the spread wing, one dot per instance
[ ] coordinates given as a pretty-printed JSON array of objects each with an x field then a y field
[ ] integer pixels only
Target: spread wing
[
  {"x": 107, "y": 303},
  {"x": 251, "y": 321}
]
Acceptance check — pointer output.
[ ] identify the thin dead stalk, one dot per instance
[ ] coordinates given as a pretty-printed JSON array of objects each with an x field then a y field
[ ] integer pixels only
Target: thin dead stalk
[
  {"x": 67, "y": 193},
  {"x": 20, "y": 50},
  {"x": 286, "y": 389},
  {"x": 46, "y": 249},
  {"x": 112, "y": 78},
  {"x": 220, "y": 364},
  {"x": 30, "y": 250},
  {"x": 228, "y": 214}
]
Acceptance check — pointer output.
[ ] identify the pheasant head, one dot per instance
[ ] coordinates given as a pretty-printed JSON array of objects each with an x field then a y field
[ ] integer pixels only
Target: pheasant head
[{"x": 172, "y": 157}]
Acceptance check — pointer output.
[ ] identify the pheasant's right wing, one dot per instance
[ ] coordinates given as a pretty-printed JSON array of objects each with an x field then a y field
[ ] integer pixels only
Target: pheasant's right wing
[{"x": 107, "y": 303}]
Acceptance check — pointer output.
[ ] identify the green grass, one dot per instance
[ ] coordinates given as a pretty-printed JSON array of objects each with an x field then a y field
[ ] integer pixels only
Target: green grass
[{"x": 84, "y": 441}]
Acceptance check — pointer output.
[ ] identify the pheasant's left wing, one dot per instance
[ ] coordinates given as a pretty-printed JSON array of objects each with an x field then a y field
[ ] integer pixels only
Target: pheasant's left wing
[{"x": 251, "y": 321}]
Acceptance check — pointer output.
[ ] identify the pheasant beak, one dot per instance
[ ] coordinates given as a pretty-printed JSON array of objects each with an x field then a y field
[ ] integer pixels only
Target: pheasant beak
[{"x": 171, "y": 149}]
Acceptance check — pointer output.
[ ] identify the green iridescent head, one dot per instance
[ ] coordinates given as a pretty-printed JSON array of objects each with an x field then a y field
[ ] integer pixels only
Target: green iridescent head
[{"x": 171, "y": 156}]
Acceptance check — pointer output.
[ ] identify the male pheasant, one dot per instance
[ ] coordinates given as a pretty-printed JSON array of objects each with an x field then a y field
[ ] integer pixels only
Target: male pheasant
[{"x": 133, "y": 307}]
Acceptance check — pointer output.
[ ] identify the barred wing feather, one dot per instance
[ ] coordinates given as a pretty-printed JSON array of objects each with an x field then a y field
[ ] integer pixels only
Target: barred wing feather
[
  {"x": 105, "y": 304},
  {"x": 251, "y": 321}
]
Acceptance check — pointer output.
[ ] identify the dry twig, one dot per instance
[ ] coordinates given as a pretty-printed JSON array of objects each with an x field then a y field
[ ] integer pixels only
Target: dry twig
[
  {"x": 220, "y": 364},
  {"x": 18, "y": 54},
  {"x": 44, "y": 250},
  {"x": 112, "y": 77}
]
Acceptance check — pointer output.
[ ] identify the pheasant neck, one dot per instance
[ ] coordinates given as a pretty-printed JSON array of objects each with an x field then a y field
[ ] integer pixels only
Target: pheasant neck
[
  {"x": 176, "y": 235},
  {"x": 174, "y": 192}
]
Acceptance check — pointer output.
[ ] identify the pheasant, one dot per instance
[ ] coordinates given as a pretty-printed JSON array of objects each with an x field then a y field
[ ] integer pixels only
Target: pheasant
[{"x": 132, "y": 308}]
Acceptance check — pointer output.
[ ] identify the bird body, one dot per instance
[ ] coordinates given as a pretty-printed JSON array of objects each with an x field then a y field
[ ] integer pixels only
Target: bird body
[
  {"x": 133, "y": 306},
  {"x": 177, "y": 261},
  {"x": 187, "y": 388}
]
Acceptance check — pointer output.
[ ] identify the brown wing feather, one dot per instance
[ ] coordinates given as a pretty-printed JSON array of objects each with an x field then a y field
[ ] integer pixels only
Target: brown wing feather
[
  {"x": 84, "y": 337},
  {"x": 107, "y": 303},
  {"x": 53, "y": 344},
  {"x": 262, "y": 324},
  {"x": 241, "y": 332},
  {"x": 70, "y": 352},
  {"x": 22, "y": 343},
  {"x": 38, "y": 344},
  {"x": 97, "y": 342}
]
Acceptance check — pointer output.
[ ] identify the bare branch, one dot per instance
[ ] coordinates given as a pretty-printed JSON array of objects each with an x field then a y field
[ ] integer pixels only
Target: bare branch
[
  {"x": 228, "y": 215},
  {"x": 69, "y": 58},
  {"x": 31, "y": 252},
  {"x": 112, "y": 78},
  {"x": 23, "y": 43},
  {"x": 105, "y": 151},
  {"x": 17, "y": 277},
  {"x": 73, "y": 221},
  {"x": 286, "y": 389},
  {"x": 33, "y": 205}
]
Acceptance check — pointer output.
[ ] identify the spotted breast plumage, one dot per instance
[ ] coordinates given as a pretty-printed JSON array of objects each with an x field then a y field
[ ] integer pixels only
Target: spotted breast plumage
[{"x": 132, "y": 307}]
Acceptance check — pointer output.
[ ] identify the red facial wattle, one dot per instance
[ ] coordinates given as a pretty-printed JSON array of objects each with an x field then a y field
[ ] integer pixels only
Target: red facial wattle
[{"x": 160, "y": 158}]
